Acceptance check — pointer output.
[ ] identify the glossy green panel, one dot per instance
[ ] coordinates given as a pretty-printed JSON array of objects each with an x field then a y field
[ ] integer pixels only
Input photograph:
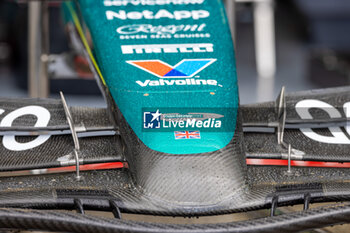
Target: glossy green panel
[{"x": 166, "y": 55}]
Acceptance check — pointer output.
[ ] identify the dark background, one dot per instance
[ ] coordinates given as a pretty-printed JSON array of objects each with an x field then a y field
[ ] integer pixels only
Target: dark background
[{"x": 312, "y": 45}]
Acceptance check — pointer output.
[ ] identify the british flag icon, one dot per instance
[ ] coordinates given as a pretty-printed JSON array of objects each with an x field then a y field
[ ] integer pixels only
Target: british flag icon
[{"x": 187, "y": 135}]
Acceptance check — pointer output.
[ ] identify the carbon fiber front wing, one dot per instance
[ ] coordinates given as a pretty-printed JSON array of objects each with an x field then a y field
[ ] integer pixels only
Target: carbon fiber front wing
[{"x": 319, "y": 170}]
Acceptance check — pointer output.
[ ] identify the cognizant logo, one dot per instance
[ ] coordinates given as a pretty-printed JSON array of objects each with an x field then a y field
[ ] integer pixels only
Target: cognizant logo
[{"x": 187, "y": 68}]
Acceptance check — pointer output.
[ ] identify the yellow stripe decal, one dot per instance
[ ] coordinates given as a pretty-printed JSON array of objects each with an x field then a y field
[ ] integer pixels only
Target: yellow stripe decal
[{"x": 84, "y": 40}]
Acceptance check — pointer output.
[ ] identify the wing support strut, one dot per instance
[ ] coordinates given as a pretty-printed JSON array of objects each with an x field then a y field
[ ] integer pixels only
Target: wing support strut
[
  {"x": 281, "y": 117},
  {"x": 74, "y": 135}
]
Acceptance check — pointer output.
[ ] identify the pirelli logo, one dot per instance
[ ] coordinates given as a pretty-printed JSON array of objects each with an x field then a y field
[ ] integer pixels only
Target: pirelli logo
[{"x": 168, "y": 48}]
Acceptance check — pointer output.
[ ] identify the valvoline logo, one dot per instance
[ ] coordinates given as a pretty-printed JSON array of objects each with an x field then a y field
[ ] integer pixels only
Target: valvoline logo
[{"x": 187, "y": 68}]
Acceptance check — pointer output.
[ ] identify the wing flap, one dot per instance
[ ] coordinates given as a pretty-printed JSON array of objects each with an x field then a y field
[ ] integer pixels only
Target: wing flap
[
  {"x": 316, "y": 125},
  {"x": 316, "y": 108},
  {"x": 265, "y": 145},
  {"x": 45, "y": 151},
  {"x": 47, "y": 116}
]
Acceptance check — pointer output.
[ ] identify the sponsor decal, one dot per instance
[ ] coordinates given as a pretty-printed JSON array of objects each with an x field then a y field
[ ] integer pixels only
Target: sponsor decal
[
  {"x": 151, "y": 120},
  {"x": 170, "y": 120},
  {"x": 178, "y": 82},
  {"x": 187, "y": 135},
  {"x": 149, "y": 31},
  {"x": 338, "y": 136},
  {"x": 167, "y": 48},
  {"x": 43, "y": 117},
  {"x": 160, "y": 29},
  {"x": 150, "y": 2},
  {"x": 192, "y": 123},
  {"x": 186, "y": 68},
  {"x": 193, "y": 115},
  {"x": 161, "y": 14}
]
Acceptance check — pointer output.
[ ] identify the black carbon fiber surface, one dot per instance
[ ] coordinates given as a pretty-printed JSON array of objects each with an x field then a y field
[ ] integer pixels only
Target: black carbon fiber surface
[
  {"x": 202, "y": 184},
  {"x": 70, "y": 222},
  {"x": 308, "y": 142},
  {"x": 60, "y": 149},
  {"x": 86, "y": 119},
  {"x": 265, "y": 114},
  {"x": 188, "y": 180},
  {"x": 265, "y": 144},
  {"x": 97, "y": 188}
]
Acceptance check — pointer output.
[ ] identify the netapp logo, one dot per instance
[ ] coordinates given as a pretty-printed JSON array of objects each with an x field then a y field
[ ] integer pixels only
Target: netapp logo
[
  {"x": 150, "y": 2},
  {"x": 167, "y": 48},
  {"x": 146, "y": 14}
]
